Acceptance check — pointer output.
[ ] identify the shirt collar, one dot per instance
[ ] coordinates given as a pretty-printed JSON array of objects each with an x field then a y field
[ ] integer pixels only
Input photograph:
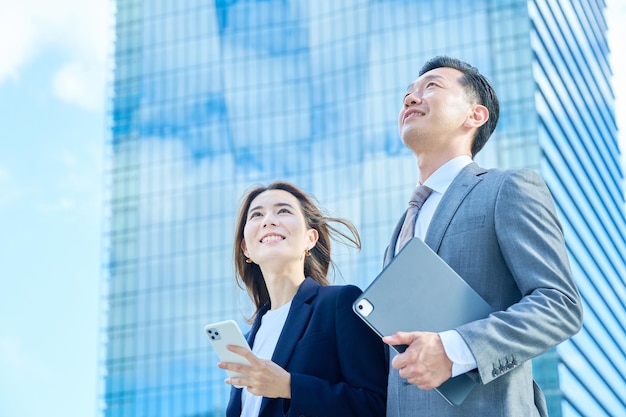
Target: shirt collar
[{"x": 441, "y": 179}]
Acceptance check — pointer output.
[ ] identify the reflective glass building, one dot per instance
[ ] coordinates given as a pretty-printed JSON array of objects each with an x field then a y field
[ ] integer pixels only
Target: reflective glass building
[{"x": 212, "y": 97}]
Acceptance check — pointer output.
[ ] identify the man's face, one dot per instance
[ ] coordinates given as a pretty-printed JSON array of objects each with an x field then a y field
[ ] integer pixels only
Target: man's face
[{"x": 434, "y": 110}]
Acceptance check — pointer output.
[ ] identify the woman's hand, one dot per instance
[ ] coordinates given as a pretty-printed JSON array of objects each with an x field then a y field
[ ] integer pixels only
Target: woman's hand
[{"x": 263, "y": 377}]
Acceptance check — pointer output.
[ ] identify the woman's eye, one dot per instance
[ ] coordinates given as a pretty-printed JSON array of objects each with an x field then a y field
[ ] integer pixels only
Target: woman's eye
[
  {"x": 255, "y": 214},
  {"x": 283, "y": 210}
]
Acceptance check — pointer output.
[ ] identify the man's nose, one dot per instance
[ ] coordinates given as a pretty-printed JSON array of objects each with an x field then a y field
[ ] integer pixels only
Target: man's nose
[{"x": 412, "y": 98}]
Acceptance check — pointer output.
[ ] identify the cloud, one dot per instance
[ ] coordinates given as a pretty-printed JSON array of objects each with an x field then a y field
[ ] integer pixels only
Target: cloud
[
  {"x": 77, "y": 33},
  {"x": 17, "y": 40},
  {"x": 81, "y": 83}
]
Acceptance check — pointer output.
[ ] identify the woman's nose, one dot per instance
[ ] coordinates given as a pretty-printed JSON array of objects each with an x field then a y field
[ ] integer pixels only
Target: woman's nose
[{"x": 269, "y": 219}]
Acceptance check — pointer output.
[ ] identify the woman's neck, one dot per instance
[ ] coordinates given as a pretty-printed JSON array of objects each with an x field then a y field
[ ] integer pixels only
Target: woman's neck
[{"x": 282, "y": 287}]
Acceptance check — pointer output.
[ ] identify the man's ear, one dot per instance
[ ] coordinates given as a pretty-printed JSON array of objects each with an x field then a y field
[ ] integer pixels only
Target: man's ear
[{"x": 477, "y": 117}]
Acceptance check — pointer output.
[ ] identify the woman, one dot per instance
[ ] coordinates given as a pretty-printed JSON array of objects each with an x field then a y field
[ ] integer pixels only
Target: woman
[{"x": 324, "y": 360}]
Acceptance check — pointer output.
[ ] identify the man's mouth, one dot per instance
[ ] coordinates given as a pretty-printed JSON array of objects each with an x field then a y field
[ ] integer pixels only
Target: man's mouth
[{"x": 413, "y": 113}]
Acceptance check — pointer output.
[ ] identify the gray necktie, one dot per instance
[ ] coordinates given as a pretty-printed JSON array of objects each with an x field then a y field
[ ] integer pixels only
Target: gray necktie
[{"x": 420, "y": 194}]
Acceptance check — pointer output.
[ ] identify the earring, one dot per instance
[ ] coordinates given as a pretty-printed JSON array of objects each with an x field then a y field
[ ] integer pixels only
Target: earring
[
  {"x": 307, "y": 252},
  {"x": 248, "y": 260}
]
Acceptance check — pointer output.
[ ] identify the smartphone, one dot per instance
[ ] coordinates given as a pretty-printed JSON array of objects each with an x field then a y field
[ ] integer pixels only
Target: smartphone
[{"x": 227, "y": 333}]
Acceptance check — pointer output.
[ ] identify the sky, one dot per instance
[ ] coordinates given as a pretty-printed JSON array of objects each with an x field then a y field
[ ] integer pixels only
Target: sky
[{"x": 54, "y": 69}]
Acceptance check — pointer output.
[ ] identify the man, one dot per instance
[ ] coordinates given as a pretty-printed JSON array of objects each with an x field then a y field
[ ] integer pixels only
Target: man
[{"x": 499, "y": 231}]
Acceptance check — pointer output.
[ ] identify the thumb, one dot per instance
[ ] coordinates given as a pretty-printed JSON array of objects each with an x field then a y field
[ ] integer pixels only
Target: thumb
[{"x": 400, "y": 338}]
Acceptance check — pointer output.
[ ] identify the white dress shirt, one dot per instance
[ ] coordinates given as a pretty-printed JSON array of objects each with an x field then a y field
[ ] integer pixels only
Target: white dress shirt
[
  {"x": 457, "y": 350},
  {"x": 272, "y": 324}
]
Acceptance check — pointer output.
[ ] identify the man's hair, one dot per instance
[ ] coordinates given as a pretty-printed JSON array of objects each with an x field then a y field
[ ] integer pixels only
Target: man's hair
[{"x": 478, "y": 88}]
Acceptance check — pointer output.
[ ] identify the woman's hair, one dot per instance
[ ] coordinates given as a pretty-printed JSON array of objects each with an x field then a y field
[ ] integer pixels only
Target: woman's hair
[{"x": 315, "y": 266}]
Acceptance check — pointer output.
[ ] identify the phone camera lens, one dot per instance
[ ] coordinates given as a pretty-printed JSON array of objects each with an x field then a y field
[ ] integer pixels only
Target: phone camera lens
[{"x": 360, "y": 306}]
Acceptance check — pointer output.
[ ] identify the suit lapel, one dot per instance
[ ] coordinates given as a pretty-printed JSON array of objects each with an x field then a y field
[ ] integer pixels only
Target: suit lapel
[
  {"x": 389, "y": 253},
  {"x": 458, "y": 190},
  {"x": 296, "y": 322},
  {"x": 235, "y": 395},
  {"x": 467, "y": 179},
  {"x": 257, "y": 323}
]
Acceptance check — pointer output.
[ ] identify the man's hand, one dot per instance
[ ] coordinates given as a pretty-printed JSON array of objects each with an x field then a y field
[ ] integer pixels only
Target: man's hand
[
  {"x": 263, "y": 377},
  {"x": 424, "y": 363}
]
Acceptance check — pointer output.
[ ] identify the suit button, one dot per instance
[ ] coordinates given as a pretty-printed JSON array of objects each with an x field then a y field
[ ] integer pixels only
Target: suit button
[{"x": 501, "y": 368}]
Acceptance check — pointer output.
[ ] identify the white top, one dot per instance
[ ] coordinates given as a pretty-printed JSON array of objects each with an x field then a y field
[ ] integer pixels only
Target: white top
[
  {"x": 272, "y": 324},
  {"x": 454, "y": 345}
]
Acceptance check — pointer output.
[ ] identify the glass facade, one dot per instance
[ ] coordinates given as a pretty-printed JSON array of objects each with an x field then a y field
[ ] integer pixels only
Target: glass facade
[
  {"x": 577, "y": 136},
  {"x": 212, "y": 97}
]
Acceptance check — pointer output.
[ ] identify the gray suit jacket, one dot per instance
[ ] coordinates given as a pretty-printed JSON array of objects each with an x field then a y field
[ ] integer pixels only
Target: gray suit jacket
[{"x": 499, "y": 231}]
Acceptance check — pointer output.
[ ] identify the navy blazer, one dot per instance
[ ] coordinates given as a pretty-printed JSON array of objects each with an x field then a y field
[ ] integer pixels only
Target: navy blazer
[{"x": 337, "y": 364}]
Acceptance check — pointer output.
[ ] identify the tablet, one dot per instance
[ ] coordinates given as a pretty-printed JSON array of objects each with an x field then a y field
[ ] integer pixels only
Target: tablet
[{"x": 418, "y": 291}]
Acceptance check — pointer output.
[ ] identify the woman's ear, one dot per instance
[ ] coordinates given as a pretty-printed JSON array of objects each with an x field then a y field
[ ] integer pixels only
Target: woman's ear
[
  {"x": 312, "y": 235},
  {"x": 244, "y": 248}
]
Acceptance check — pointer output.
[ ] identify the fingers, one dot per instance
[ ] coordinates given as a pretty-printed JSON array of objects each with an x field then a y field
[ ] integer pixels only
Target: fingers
[
  {"x": 415, "y": 374},
  {"x": 245, "y": 352},
  {"x": 402, "y": 360},
  {"x": 243, "y": 374},
  {"x": 235, "y": 367},
  {"x": 401, "y": 338},
  {"x": 424, "y": 363},
  {"x": 422, "y": 384},
  {"x": 266, "y": 379},
  {"x": 238, "y": 382}
]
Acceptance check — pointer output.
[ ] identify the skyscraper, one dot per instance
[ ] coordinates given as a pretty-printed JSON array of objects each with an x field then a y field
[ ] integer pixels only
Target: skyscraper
[{"x": 210, "y": 98}]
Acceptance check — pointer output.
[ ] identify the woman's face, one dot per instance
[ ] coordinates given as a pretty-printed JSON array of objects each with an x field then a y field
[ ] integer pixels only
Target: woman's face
[{"x": 275, "y": 229}]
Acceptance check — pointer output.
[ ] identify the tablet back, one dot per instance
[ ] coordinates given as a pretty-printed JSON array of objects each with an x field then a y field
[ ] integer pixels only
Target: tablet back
[{"x": 418, "y": 291}]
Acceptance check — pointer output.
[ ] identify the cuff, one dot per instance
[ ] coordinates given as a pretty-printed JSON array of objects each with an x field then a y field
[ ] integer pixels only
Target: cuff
[{"x": 458, "y": 352}]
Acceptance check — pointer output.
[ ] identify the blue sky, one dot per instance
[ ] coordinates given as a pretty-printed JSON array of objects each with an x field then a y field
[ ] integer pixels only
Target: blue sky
[
  {"x": 52, "y": 133},
  {"x": 53, "y": 73}
]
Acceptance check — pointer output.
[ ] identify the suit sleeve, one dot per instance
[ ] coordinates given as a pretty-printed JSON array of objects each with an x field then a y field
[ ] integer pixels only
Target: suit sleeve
[
  {"x": 361, "y": 357},
  {"x": 532, "y": 245}
]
